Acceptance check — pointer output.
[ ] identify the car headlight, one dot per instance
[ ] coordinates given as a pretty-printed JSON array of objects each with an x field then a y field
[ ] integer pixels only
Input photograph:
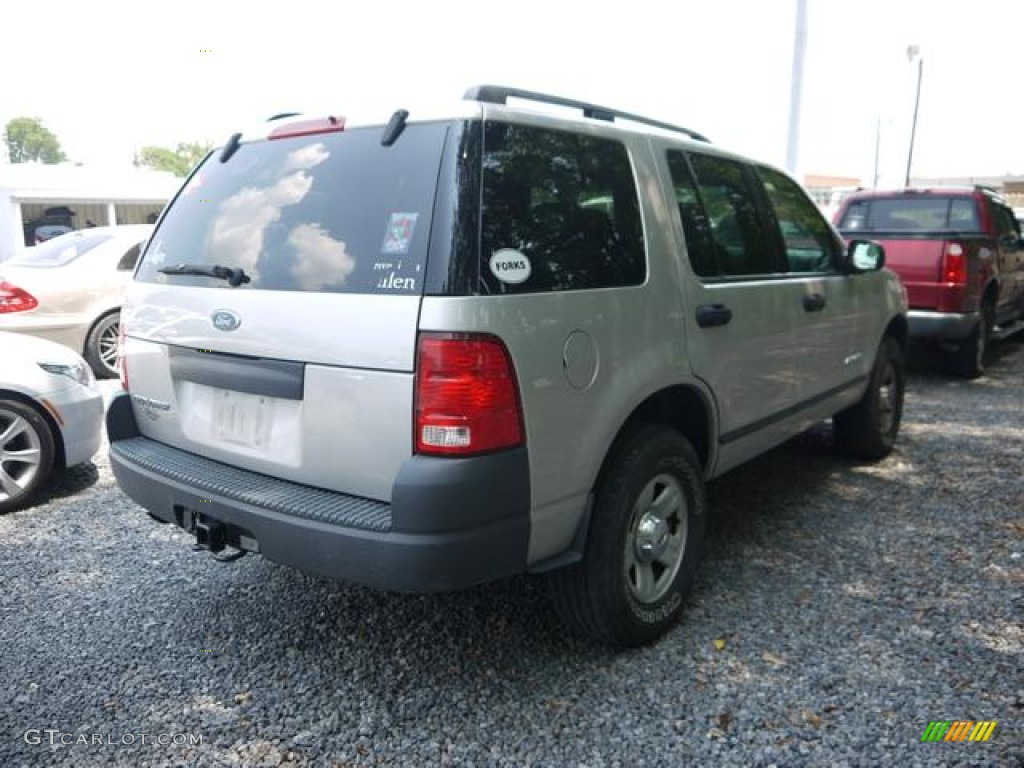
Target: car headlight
[{"x": 79, "y": 372}]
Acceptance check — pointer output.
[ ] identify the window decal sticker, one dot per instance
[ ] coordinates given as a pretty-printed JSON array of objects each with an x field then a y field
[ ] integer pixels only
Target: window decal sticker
[
  {"x": 399, "y": 233},
  {"x": 510, "y": 266}
]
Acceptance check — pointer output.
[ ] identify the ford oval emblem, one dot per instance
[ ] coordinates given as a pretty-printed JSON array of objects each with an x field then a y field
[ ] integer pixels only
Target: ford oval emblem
[{"x": 225, "y": 320}]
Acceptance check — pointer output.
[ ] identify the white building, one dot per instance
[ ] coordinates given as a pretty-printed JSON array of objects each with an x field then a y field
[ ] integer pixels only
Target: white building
[{"x": 33, "y": 195}]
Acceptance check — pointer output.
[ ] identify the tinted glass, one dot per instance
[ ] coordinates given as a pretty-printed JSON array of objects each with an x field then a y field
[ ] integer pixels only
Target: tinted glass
[
  {"x": 808, "y": 239},
  {"x": 60, "y": 250},
  {"x": 922, "y": 213},
  {"x": 560, "y": 212},
  {"x": 1006, "y": 224},
  {"x": 334, "y": 212},
  {"x": 130, "y": 258},
  {"x": 699, "y": 244},
  {"x": 740, "y": 244}
]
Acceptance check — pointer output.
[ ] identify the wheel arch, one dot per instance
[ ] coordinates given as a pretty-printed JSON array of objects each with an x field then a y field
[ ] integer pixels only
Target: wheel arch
[
  {"x": 59, "y": 457},
  {"x": 898, "y": 329},
  {"x": 683, "y": 407}
]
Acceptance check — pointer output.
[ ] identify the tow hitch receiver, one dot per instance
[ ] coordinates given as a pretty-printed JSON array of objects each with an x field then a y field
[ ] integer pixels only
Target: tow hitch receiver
[
  {"x": 211, "y": 535},
  {"x": 215, "y": 536}
]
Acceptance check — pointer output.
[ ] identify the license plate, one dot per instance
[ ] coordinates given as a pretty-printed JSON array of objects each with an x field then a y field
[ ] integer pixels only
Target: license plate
[{"x": 241, "y": 418}]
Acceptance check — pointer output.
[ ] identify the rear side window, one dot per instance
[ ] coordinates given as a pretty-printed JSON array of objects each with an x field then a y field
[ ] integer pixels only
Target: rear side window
[
  {"x": 741, "y": 246},
  {"x": 328, "y": 213},
  {"x": 130, "y": 258},
  {"x": 923, "y": 213},
  {"x": 560, "y": 212},
  {"x": 60, "y": 250},
  {"x": 699, "y": 244}
]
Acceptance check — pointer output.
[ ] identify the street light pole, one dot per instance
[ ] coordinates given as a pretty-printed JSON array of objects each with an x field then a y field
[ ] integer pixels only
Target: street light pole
[
  {"x": 878, "y": 145},
  {"x": 796, "y": 88},
  {"x": 913, "y": 52}
]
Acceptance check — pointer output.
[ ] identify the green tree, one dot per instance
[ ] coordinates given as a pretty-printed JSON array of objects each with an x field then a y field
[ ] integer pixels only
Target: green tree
[
  {"x": 28, "y": 140},
  {"x": 178, "y": 161}
]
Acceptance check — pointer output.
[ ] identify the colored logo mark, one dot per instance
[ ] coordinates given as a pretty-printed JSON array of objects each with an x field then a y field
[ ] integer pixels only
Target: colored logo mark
[{"x": 958, "y": 730}]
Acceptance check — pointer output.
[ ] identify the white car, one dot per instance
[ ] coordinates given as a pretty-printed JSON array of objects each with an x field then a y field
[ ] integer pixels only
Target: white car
[
  {"x": 70, "y": 289},
  {"x": 51, "y": 414}
]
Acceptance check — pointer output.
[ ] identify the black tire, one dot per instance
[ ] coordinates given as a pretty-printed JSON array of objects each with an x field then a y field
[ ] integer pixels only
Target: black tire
[
  {"x": 101, "y": 346},
  {"x": 868, "y": 429},
  {"x": 968, "y": 359},
  {"x": 26, "y": 453},
  {"x": 622, "y": 593}
]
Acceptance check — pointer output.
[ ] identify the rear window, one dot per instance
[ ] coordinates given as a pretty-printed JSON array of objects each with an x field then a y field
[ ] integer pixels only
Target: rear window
[
  {"x": 911, "y": 214},
  {"x": 560, "y": 212},
  {"x": 60, "y": 250},
  {"x": 328, "y": 213}
]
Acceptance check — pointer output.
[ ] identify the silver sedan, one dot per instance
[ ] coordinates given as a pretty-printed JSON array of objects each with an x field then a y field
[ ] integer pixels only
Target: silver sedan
[
  {"x": 70, "y": 289},
  {"x": 51, "y": 415}
]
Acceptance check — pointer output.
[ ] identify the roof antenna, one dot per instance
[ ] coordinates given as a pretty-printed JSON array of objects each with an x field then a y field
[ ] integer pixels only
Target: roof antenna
[{"x": 394, "y": 128}]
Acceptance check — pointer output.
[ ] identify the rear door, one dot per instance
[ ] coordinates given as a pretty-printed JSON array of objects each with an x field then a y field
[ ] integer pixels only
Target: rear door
[
  {"x": 744, "y": 314},
  {"x": 303, "y": 368}
]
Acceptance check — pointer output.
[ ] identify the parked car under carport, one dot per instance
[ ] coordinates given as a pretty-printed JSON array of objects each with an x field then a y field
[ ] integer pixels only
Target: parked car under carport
[{"x": 70, "y": 289}]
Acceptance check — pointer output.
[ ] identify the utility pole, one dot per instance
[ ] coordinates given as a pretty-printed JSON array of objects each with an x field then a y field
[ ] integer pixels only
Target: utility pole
[
  {"x": 796, "y": 88},
  {"x": 913, "y": 52}
]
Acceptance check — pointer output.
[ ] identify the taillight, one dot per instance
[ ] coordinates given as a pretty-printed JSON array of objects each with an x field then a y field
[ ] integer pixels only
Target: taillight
[
  {"x": 467, "y": 399},
  {"x": 122, "y": 364},
  {"x": 14, "y": 299},
  {"x": 954, "y": 264}
]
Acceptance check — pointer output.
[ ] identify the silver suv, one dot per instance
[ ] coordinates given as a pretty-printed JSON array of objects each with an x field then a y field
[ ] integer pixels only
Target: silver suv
[{"x": 427, "y": 353}]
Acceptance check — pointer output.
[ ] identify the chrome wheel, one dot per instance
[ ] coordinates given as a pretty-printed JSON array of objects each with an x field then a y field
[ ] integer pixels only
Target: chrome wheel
[
  {"x": 108, "y": 346},
  {"x": 657, "y": 539},
  {"x": 21, "y": 455}
]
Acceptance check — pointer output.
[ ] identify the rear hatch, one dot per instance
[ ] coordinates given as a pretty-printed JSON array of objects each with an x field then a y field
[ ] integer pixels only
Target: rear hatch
[
  {"x": 298, "y": 363},
  {"x": 927, "y": 239}
]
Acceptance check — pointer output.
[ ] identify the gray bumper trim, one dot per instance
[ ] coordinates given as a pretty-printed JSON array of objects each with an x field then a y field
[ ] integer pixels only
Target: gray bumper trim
[
  {"x": 232, "y": 483},
  {"x": 949, "y": 326}
]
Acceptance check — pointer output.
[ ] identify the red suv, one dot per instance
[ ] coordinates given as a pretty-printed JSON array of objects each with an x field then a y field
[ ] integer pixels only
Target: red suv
[{"x": 960, "y": 255}]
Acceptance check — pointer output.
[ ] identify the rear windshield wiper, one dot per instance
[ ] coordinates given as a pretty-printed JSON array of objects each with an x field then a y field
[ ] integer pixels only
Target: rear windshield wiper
[{"x": 235, "y": 277}]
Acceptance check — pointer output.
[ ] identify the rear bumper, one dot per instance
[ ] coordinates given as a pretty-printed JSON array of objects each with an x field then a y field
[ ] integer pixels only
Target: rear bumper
[
  {"x": 944, "y": 326},
  {"x": 452, "y": 523}
]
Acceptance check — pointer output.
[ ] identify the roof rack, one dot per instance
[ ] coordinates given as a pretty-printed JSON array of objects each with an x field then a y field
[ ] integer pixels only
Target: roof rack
[{"x": 497, "y": 94}]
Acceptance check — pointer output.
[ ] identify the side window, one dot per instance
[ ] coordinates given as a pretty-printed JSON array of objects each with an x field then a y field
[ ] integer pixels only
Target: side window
[
  {"x": 741, "y": 247},
  {"x": 963, "y": 214},
  {"x": 699, "y": 245},
  {"x": 1006, "y": 223},
  {"x": 130, "y": 259},
  {"x": 560, "y": 212},
  {"x": 807, "y": 238}
]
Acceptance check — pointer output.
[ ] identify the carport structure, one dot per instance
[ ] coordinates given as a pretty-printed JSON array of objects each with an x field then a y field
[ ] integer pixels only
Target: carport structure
[{"x": 33, "y": 195}]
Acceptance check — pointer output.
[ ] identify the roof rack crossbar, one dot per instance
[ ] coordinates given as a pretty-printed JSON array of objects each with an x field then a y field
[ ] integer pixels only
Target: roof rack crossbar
[{"x": 498, "y": 94}]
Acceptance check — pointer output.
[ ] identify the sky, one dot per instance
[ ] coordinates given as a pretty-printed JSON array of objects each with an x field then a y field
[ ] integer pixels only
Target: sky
[{"x": 110, "y": 76}]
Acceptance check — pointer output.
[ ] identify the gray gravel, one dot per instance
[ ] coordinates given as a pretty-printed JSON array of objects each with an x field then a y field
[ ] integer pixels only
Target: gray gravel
[{"x": 840, "y": 608}]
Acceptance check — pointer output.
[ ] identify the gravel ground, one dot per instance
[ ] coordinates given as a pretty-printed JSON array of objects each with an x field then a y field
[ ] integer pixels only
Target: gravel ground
[{"x": 840, "y": 608}]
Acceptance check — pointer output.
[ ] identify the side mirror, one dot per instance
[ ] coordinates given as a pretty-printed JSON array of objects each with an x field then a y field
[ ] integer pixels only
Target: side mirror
[{"x": 864, "y": 256}]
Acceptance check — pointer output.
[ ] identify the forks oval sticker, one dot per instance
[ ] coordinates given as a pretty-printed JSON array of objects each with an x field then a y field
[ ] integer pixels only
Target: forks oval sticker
[{"x": 510, "y": 266}]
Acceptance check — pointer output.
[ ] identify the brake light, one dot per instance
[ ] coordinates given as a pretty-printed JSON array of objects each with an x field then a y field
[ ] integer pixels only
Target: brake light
[
  {"x": 122, "y": 364},
  {"x": 14, "y": 299},
  {"x": 954, "y": 264},
  {"x": 309, "y": 127},
  {"x": 467, "y": 398}
]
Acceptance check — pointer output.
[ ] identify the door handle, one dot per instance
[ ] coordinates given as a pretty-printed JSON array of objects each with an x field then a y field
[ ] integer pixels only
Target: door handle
[
  {"x": 711, "y": 315},
  {"x": 814, "y": 302}
]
